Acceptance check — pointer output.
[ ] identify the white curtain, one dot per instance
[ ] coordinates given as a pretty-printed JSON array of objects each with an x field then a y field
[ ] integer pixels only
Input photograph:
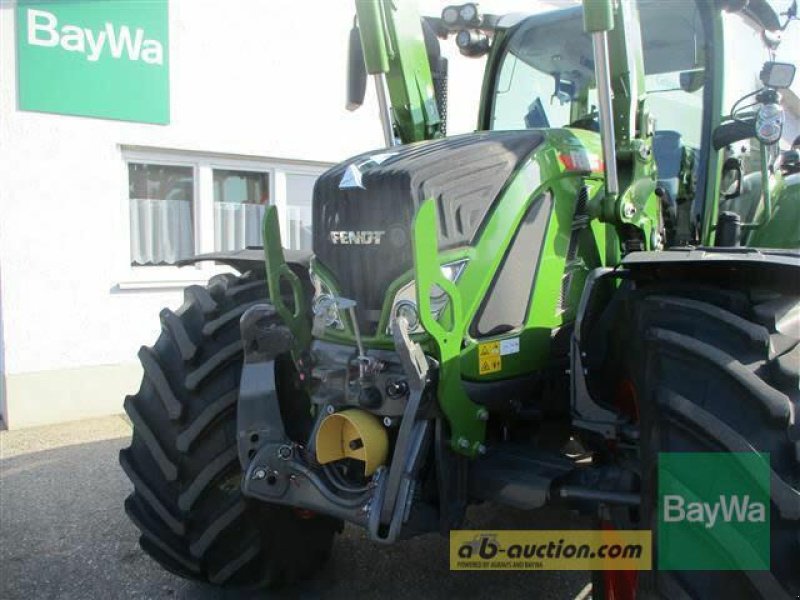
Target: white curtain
[
  {"x": 299, "y": 192},
  {"x": 299, "y": 227},
  {"x": 237, "y": 225},
  {"x": 161, "y": 231}
]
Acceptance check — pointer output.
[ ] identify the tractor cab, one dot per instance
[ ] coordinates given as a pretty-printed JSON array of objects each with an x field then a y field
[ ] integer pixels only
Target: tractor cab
[{"x": 540, "y": 74}]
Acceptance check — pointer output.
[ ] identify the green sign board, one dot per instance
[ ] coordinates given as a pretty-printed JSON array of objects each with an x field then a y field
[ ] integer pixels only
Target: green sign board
[
  {"x": 94, "y": 58},
  {"x": 713, "y": 511}
]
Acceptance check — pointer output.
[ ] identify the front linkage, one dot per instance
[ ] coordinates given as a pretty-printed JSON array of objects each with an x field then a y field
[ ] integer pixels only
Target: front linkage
[
  {"x": 281, "y": 470},
  {"x": 284, "y": 471},
  {"x": 292, "y": 470}
]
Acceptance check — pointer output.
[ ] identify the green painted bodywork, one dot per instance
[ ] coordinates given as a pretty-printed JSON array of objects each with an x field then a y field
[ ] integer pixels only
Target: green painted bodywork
[
  {"x": 543, "y": 173},
  {"x": 393, "y": 44},
  {"x": 295, "y": 316},
  {"x": 449, "y": 340},
  {"x": 466, "y": 427},
  {"x": 633, "y": 214},
  {"x": 636, "y": 205},
  {"x": 373, "y": 35},
  {"x": 598, "y": 16},
  {"x": 782, "y": 228},
  {"x": 712, "y": 116}
]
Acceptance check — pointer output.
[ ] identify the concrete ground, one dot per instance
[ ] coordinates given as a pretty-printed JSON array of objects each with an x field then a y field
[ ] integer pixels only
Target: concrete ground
[{"x": 64, "y": 534}]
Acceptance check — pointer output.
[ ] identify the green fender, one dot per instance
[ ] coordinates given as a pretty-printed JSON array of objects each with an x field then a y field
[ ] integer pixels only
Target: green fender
[
  {"x": 295, "y": 317},
  {"x": 467, "y": 419}
]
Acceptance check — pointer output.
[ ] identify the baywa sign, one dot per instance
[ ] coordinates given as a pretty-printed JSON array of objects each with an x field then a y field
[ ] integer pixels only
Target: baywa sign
[{"x": 97, "y": 58}]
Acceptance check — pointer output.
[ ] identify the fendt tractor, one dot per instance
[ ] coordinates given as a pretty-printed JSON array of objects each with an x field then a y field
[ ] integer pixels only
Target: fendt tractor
[{"x": 606, "y": 270}]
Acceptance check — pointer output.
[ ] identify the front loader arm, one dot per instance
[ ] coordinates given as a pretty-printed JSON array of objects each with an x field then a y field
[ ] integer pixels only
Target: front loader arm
[
  {"x": 395, "y": 55},
  {"x": 630, "y": 202}
]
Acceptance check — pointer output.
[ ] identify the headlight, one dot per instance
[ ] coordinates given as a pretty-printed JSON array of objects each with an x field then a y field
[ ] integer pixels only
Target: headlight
[
  {"x": 450, "y": 15},
  {"x": 407, "y": 310},
  {"x": 452, "y": 271},
  {"x": 456, "y": 16},
  {"x": 324, "y": 304},
  {"x": 406, "y": 298},
  {"x": 469, "y": 13}
]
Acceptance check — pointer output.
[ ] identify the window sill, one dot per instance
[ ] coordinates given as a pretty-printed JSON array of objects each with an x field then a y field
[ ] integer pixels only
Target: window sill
[
  {"x": 167, "y": 278},
  {"x": 164, "y": 284}
]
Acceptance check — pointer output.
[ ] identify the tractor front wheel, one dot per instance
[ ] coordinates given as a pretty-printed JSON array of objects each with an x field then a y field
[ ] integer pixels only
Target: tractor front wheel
[
  {"x": 716, "y": 369},
  {"x": 183, "y": 461}
]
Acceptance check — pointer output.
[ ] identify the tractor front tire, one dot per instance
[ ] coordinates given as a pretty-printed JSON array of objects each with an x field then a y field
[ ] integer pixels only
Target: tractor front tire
[
  {"x": 183, "y": 461},
  {"x": 717, "y": 369}
]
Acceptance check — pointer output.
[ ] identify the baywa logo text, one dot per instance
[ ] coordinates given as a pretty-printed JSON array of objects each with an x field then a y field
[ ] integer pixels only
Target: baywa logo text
[
  {"x": 728, "y": 508},
  {"x": 713, "y": 511},
  {"x": 118, "y": 42},
  {"x": 549, "y": 550}
]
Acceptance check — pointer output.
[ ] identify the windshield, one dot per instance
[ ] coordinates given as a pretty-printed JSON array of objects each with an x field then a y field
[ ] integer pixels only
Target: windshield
[
  {"x": 746, "y": 49},
  {"x": 748, "y": 53},
  {"x": 546, "y": 78}
]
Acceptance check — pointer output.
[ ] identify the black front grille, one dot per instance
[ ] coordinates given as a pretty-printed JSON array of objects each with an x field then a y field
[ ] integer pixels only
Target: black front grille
[{"x": 464, "y": 173}]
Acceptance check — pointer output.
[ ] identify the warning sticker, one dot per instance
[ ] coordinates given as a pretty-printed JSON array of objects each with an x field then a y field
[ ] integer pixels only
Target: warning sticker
[{"x": 489, "y": 360}]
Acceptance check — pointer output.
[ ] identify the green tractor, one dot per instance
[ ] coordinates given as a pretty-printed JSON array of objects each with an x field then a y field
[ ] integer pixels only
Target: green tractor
[{"x": 528, "y": 315}]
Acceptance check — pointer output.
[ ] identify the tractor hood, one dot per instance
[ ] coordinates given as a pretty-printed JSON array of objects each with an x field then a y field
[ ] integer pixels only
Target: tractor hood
[{"x": 364, "y": 208}]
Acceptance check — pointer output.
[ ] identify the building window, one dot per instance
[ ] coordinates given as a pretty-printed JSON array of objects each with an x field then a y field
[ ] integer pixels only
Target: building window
[
  {"x": 299, "y": 191},
  {"x": 240, "y": 200},
  {"x": 161, "y": 201},
  {"x": 183, "y": 204}
]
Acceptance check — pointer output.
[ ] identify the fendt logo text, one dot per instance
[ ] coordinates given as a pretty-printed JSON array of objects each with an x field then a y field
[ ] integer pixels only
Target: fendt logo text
[
  {"x": 119, "y": 42},
  {"x": 728, "y": 508},
  {"x": 363, "y": 238}
]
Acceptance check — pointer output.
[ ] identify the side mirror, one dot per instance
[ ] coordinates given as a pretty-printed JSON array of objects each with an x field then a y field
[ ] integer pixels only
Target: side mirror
[
  {"x": 732, "y": 172},
  {"x": 691, "y": 81},
  {"x": 778, "y": 76},
  {"x": 356, "y": 71}
]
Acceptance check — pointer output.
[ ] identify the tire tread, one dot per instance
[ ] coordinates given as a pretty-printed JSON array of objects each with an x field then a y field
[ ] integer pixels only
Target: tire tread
[{"x": 183, "y": 458}]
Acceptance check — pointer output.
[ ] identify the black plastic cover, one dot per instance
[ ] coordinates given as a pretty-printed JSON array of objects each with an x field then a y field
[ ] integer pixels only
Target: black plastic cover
[
  {"x": 506, "y": 305},
  {"x": 464, "y": 173}
]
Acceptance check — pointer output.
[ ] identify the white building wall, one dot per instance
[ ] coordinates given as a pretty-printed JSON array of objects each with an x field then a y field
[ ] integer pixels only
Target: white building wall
[
  {"x": 257, "y": 79},
  {"x": 252, "y": 78}
]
